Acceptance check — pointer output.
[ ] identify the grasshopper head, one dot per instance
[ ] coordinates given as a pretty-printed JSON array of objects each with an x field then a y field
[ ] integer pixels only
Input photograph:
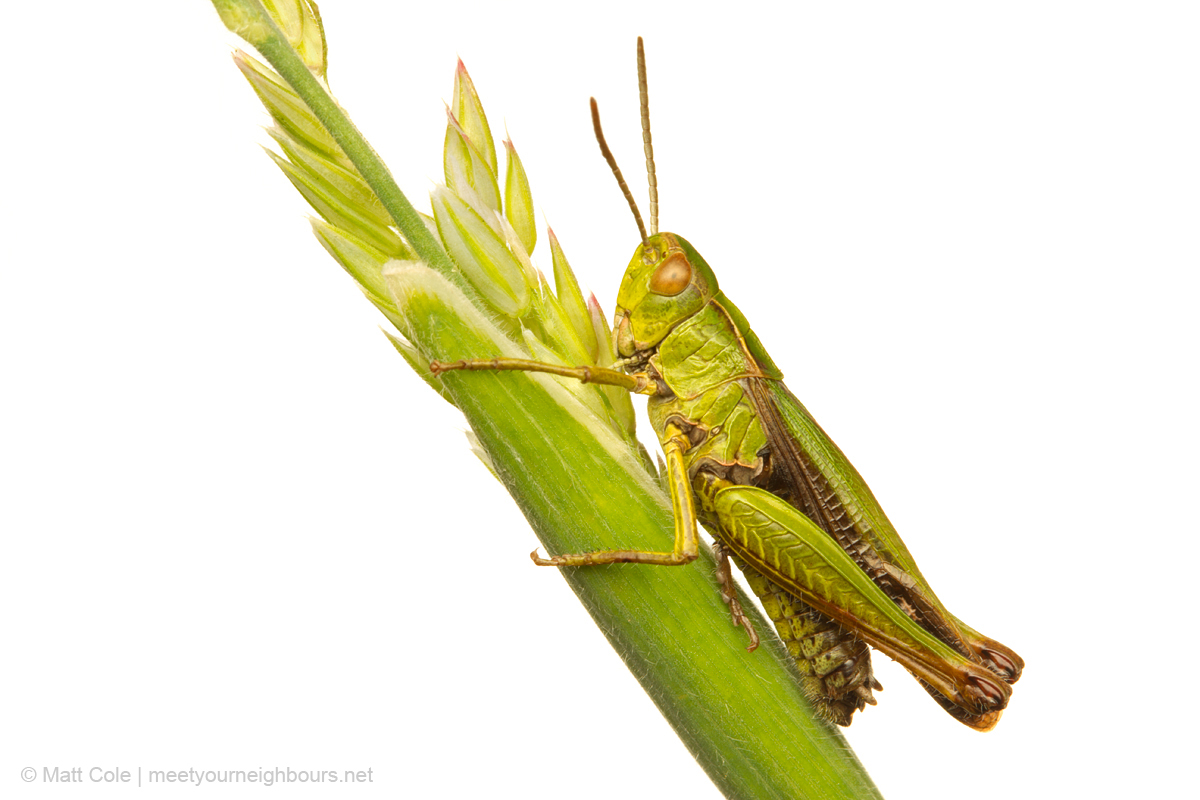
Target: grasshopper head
[{"x": 666, "y": 282}]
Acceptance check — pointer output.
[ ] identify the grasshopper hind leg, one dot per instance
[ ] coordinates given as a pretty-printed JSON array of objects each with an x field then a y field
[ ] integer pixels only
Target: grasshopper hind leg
[
  {"x": 980, "y": 722},
  {"x": 835, "y": 665}
]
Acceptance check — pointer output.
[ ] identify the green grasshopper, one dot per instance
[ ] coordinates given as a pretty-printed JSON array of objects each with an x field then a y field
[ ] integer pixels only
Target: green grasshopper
[{"x": 743, "y": 456}]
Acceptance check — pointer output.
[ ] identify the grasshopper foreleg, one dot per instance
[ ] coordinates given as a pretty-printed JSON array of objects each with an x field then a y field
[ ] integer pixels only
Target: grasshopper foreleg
[
  {"x": 729, "y": 594},
  {"x": 675, "y": 443},
  {"x": 638, "y": 382}
]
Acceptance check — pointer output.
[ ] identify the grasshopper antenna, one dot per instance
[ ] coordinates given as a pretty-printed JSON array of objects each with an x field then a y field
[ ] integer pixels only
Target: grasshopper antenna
[
  {"x": 651, "y": 178},
  {"x": 612, "y": 163}
]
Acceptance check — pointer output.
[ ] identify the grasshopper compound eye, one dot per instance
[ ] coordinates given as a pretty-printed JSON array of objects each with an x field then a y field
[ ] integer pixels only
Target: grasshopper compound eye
[{"x": 672, "y": 276}]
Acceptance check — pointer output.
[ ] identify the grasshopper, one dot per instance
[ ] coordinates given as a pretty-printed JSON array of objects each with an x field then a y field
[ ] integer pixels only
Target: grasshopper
[{"x": 745, "y": 458}]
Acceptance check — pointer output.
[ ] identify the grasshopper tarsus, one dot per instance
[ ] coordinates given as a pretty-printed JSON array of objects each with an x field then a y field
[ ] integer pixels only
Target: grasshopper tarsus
[
  {"x": 749, "y": 626},
  {"x": 595, "y": 558},
  {"x": 729, "y": 595},
  {"x": 438, "y": 367}
]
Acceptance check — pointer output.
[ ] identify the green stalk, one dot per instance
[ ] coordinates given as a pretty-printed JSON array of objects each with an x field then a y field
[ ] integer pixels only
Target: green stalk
[
  {"x": 741, "y": 715},
  {"x": 249, "y": 20}
]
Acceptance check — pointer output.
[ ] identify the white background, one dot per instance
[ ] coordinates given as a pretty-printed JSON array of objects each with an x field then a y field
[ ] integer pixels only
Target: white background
[{"x": 239, "y": 533}]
